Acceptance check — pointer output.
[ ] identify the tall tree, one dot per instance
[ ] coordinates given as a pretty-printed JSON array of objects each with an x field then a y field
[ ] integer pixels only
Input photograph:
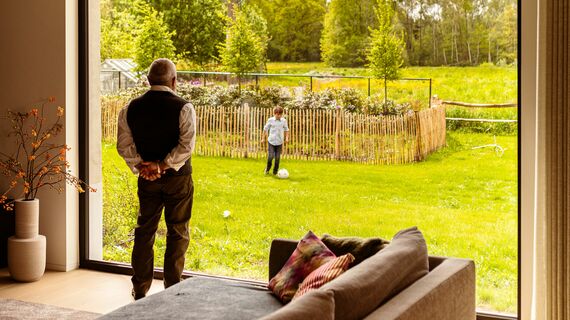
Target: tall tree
[
  {"x": 246, "y": 42},
  {"x": 295, "y": 28},
  {"x": 118, "y": 33},
  {"x": 134, "y": 30},
  {"x": 346, "y": 32},
  {"x": 153, "y": 38},
  {"x": 386, "y": 47},
  {"x": 199, "y": 27},
  {"x": 458, "y": 32},
  {"x": 507, "y": 40}
]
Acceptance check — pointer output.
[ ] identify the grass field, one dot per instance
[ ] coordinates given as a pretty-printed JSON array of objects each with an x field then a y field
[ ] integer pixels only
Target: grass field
[
  {"x": 464, "y": 200},
  {"x": 482, "y": 84}
]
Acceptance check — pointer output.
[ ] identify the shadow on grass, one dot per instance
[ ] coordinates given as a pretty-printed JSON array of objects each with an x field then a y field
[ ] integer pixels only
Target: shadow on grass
[{"x": 453, "y": 146}]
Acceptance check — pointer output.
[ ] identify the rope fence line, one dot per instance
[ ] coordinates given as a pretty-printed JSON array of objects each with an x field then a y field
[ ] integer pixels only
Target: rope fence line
[
  {"x": 315, "y": 134},
  {"x": 483, "y": 120},
  {"x": 479, "y": 105}
]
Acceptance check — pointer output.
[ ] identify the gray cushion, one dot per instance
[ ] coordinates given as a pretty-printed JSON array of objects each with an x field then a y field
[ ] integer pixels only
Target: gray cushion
[
  {"x": 202, "y": 298},
  {"x": 315, "y": 305},
  {"x": 364, "y": 287}
]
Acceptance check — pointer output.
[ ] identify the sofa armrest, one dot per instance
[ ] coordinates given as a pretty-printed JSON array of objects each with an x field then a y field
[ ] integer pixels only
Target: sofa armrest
[
  {"x": 281, "y": 250},
  {"x": 445, "y": 293}
]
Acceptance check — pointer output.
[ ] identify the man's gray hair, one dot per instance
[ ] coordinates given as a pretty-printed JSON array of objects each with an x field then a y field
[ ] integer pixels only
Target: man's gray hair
[{"x": 161, "y": 72}]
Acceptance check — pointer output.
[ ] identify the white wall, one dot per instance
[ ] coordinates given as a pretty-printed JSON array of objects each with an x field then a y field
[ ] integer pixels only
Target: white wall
[{"x": 38, "y": 59}]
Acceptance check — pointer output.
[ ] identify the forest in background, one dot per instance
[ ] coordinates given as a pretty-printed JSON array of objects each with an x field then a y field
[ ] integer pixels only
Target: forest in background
[{"x": 337, "y": 32}]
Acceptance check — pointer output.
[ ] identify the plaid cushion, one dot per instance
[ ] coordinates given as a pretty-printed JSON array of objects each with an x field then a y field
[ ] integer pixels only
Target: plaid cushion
[
  {"x": 310, "y": 254},
  {"x": 324, "y": 274}
]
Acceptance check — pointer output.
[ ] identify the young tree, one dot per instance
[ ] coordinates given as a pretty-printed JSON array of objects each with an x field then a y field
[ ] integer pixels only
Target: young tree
[
  {"x": 199, "y": 26},
  {"x": 153, "y": 38},
  {"x": 386, "y": 48},
  {"x": 246, "y": 42},
  {"x": 346, "y": 32},
  {"x": 134, "y": 31},
  {"x": 118, "y": 33}
]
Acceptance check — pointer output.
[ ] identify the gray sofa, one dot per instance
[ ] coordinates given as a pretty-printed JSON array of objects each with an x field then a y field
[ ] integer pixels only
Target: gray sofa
[{"x": 398, "y": 282}]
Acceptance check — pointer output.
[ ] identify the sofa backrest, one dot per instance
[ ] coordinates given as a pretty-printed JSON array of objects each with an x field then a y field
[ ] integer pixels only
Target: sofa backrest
[
  {"x": 279, "y": 253},
  {"x": 364, "y": 287},
  {"x": 281, "y": 250}
]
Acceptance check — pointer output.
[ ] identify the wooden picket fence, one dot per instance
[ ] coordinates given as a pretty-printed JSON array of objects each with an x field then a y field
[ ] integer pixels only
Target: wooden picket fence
[
  {"x": 110, "y": 108},
  {"x": 314, "y": 134}
]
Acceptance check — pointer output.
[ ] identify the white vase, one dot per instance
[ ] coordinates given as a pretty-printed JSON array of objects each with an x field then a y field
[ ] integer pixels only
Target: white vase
[
  {"x": 27, "y": 218},
  {"x": 27, "y": 249},
  {"x": 27, "y": 258}
]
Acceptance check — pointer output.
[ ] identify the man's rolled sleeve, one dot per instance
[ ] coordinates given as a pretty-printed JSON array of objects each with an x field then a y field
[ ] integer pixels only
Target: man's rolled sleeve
[
  {"x": 183, "y": 151},
  {"x": 125, "y": 143}
]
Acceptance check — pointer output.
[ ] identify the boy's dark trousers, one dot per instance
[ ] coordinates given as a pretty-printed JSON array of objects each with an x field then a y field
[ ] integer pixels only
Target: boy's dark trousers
[
  {"x": 175, "y": 194},
  {"x": 273, "y": 152}
]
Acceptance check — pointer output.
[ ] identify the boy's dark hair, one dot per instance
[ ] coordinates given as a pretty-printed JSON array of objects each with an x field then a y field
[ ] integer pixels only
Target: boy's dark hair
[{"x": 278, "y": 110}]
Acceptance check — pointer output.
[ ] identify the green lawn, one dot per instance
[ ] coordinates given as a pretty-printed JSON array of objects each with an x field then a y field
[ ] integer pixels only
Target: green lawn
[
  {"x": 481, "y": 84},
  {"x": 464, "y": 200}
]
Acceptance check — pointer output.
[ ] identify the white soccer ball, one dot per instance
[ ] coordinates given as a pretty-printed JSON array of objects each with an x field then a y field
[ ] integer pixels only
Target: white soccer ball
[{"x": 283, "y": 174}]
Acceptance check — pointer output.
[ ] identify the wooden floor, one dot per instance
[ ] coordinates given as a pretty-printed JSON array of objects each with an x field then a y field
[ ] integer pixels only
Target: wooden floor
[{"x": 79, "y": 289}]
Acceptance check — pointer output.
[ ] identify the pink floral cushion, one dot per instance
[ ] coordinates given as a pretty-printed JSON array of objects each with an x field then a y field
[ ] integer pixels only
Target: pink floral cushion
[
  {"x": 325, "y": 273},
  {"x": 310, "y": 254}
]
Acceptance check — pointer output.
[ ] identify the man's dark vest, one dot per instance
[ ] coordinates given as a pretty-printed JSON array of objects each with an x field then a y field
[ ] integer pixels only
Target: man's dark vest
[{"x": 154, "y": 120}]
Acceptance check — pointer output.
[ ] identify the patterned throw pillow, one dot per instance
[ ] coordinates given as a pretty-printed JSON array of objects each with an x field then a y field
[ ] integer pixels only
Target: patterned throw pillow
[
  {"x": 310, "y": 254},
  {"x": 325, "y": 273}
]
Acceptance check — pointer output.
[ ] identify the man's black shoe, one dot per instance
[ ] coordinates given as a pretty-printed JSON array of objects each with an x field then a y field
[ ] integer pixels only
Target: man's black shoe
[{"x": 137, "y": 296}]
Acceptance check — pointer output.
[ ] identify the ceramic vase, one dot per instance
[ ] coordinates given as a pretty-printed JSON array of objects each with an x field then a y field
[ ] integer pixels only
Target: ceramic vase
[{"x": 27, "y": 248}]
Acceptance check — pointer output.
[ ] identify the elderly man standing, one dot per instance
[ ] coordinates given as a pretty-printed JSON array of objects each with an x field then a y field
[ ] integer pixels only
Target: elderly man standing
[{"x": 156, "y": 136}]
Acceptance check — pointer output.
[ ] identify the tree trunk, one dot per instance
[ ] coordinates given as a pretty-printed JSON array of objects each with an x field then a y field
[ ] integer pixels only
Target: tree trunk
[
  {"x": 385, "y": 91},
  {"x": 489, "y": 49},
  {"x": 434, "y": 59},
  {"x": 478, "y": 52},
  {"x": 452, "y": 46},
  {"x": 468, "y": 38},
  {"x": 456, "y": 49},
  {"x": 469, "y": 52}
]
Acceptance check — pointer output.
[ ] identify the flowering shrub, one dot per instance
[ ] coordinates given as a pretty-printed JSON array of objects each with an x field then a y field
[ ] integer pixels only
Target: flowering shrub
[
  {"x": 348, "y": 99},
  {"x": 389, "y": 107},
  {"x": 36, "y": 163}
]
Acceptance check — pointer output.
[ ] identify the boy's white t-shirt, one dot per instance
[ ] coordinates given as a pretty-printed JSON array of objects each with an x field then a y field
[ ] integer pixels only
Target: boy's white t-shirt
[{"x": 276, "y": 129}]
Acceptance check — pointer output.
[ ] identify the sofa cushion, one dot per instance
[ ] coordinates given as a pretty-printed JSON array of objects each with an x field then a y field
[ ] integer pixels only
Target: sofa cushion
[
  {"x": 325, "y": 273},
  {"x": 361, "y": 289},
  {"x": 315, "y": 305},
  {"x": 310, "y": 254},
  {"x": 202, "y": 298},
  {"x": 360, "y": 248}
]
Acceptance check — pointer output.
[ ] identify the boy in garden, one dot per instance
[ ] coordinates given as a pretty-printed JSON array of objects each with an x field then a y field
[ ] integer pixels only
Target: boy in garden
[{"x": 275, "y": 132}]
